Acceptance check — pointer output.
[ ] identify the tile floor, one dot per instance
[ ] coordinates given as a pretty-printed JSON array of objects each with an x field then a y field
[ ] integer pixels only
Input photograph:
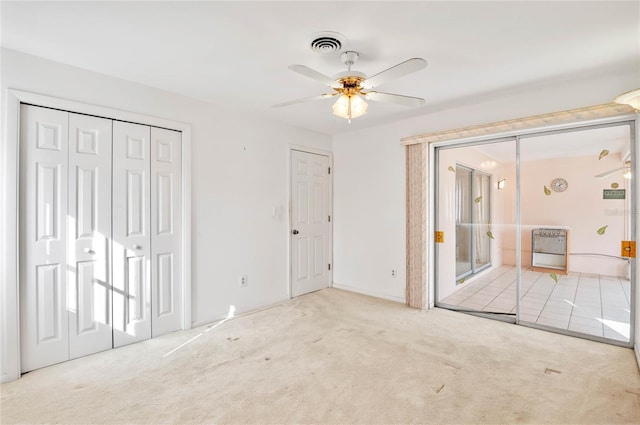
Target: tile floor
[{"x": 586, "y": 303}]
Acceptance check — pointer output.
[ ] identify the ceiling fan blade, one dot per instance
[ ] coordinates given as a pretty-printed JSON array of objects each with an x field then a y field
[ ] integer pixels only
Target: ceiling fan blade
[
  {"x": 395, "y": 98},
  {"x": 610, "y": 172},
  {"x": 304, "y": 99},
  {"x": 308, "y": 72},
  {"x": 404, "y": 68}
]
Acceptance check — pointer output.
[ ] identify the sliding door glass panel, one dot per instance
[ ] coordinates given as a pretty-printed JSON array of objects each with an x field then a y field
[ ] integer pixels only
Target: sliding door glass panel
[
  {"x": 463, "y": 221},
  {"x": 476, "y": 259},
  {"x": 575, "y": 198},
  {"x": 481, "y": 220}
]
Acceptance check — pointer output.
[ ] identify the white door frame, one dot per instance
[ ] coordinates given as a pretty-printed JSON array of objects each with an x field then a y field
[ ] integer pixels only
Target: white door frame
[
  {"x": 289, "y": 216},
  {"x": 9, "y": 214}
]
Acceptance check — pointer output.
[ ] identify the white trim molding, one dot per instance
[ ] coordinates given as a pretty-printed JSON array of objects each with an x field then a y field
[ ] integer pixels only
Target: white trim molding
[
  {"x": 376, "y": 294},
  {"x": 521, "y": 125},
  {"x": 9, "y": 214}
]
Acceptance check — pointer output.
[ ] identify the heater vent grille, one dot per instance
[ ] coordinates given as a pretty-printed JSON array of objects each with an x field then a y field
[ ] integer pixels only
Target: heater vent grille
[{"x": 327, "y": 42}]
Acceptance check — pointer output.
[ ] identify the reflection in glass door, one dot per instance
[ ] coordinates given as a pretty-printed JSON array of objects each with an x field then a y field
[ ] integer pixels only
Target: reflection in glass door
[
  {"x": 575, "y": 209},
  {"x": 473, "y": 216},
  {"x": 545, "y": 248},
  {"x": 476, "y": 260},
  {"x": 463, "y": 222}
]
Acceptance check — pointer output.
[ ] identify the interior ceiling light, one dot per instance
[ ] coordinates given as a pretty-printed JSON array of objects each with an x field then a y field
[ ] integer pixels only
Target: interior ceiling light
[
  {"x": 353, "y": 86},
  {"x": 350, "y": 105},
  {"x": 631, "y": 98}
]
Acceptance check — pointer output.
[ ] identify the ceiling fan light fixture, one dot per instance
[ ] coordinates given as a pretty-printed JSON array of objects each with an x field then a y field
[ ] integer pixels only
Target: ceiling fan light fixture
[
  {"x": 349, "y": 107},
  {"x": 631, "y": 98},
  {"x": 349, "y": 86}
]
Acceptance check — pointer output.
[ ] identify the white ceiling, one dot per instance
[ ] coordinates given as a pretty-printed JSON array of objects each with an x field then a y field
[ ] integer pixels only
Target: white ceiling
[{"x": 237, "y": 53}]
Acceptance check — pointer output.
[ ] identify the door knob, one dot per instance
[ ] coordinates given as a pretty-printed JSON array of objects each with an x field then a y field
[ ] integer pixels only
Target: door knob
[
  {"x": 295, "y": 232},
  {"x": 137, "y": 247}
]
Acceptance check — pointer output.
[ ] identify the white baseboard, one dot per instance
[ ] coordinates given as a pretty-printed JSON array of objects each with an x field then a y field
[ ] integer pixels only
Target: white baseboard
[
  {"x": 370, "y": 293},
  {"x": 253, "y": 309},
  {"x": 238, "y": 312}
]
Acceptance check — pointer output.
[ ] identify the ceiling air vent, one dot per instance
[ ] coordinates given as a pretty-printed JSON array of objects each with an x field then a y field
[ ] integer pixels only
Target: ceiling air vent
[{"x": 327, "y": 42}]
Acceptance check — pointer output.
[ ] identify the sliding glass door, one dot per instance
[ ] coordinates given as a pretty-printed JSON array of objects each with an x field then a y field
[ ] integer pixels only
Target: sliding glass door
[
  {"x": 533, "y": 229},
  {"x": 473, "y": 217},
  {"x": 575, "y": 214}
]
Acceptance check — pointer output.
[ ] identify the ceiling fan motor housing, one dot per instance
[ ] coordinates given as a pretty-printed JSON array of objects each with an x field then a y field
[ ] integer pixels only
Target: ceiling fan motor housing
[
  {"x": 349, "y": 57},
  {"x": 351, "y": 84}
]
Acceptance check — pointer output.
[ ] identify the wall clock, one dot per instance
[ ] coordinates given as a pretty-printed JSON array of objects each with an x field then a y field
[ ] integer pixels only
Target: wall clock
[{"x": 559, "y": 185}]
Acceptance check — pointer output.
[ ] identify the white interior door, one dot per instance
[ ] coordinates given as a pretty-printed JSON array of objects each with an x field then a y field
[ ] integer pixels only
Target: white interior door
[
  {"x": 89, "y": 235},
  {"x": 310, "y": 223},
  {"x": 166, "y": 230},
  {"x": 43, "y": 235},
  {"x": 131, "y": 233}
]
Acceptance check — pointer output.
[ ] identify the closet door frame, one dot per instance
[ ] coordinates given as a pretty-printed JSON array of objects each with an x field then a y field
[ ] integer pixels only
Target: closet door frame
[{"x": 9, "y": 213}]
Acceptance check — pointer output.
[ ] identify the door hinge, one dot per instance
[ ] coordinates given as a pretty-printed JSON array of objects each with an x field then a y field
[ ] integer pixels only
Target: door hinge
[
  {"x": 329, "y": 219},
  {"x": 329, "y": 170},
  {"x": 329, "y": 266}
]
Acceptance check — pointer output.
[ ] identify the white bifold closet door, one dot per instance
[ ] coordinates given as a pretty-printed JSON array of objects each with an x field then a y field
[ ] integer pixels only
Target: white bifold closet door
[
  {"x": 43, "y": 220},
  {"x": 100, "y": 234},
  {"x": 166, "y": 230},
  {"x": 131, "y": 233},
  {"x": 89, "y": 243},
  {"x": 146, "y": 232},
  {"x": 65, "y": 227}
]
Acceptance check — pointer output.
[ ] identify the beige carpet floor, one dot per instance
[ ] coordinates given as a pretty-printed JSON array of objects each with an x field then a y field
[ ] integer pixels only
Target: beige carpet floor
[{"x": 338, "y": 357}]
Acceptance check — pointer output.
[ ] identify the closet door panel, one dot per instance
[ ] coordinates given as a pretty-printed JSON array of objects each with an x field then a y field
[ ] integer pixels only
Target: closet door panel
[
  {"x": 131, "y": 233},
  {"x": 89, "y": 232},
  {"x": 43, "y": 237},
  {"x": 166, "y": 230}
]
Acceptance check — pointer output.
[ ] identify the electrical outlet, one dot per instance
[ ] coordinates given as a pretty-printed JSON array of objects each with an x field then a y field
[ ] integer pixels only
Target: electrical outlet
[
  {"x": 394, "y": 272},
  {"x": 243, "y": 280}
]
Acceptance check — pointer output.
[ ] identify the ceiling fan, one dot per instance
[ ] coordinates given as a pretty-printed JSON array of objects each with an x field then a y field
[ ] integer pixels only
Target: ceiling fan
[
  {"x": 626, "y": 168},
  {"x": 352, "y": 86}
]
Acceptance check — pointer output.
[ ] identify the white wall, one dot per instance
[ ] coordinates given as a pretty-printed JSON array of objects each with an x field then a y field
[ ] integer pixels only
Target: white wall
[
  {"x": 368, "y": 229},
  {"x": 369, "y": 180},
  {"x": 239, "y": 175}
]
